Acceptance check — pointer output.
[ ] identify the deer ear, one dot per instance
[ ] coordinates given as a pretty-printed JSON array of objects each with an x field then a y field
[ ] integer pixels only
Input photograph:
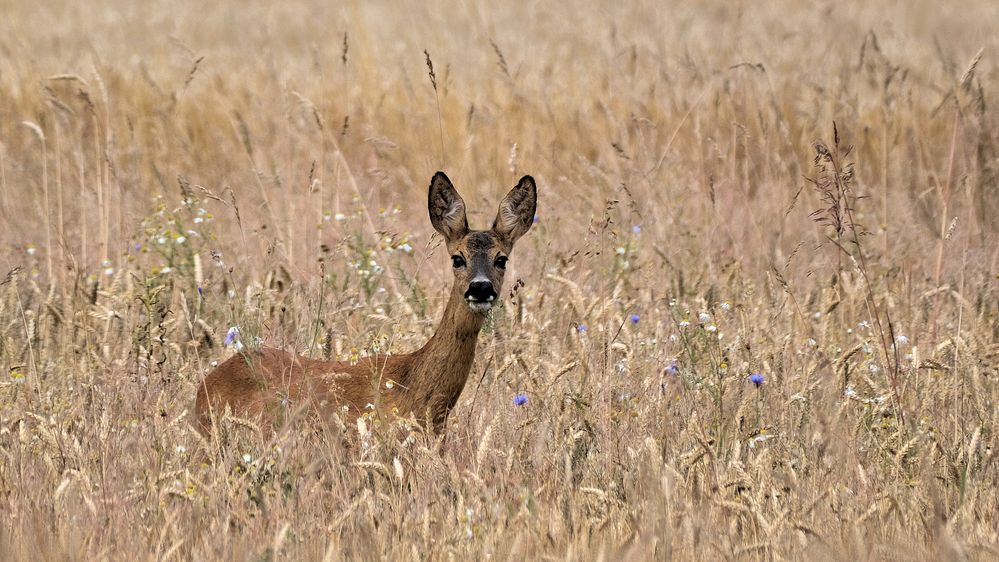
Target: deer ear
[
  {"x": 447, "y": 210},
  {"x": 516, "y": 212}
]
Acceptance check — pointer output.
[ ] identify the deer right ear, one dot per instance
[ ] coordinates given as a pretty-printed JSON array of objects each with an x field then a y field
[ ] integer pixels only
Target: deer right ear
[{"x": 447, "y": 210}]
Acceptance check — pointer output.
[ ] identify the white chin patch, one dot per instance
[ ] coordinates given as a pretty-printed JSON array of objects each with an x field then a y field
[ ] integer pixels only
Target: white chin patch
[{"x": 480, "y": 307}]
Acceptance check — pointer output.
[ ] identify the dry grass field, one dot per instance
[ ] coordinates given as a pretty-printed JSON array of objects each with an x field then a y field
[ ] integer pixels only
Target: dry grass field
[{"x": 804, "y": 191}]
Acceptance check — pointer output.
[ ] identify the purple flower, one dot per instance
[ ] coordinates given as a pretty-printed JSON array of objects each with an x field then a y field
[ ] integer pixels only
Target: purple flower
[
  {"x": 634, "y": 318},
  {"x": 231, "y": 336},
  {"x": 756, "y": 379},
  {"x": 537, "y": 219},
  {"x": 581, "y": 328},
  {"x": 138, "y": 247},
  {"x": 673, "y": 369},
  {"x": 637, "y": 229},
  {"x": 519, "y": 399},
  {"x": 201, "y": 291}
]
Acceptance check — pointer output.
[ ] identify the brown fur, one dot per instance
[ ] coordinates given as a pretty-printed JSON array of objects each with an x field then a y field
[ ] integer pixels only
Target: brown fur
[{"x": 270, "y": 384}]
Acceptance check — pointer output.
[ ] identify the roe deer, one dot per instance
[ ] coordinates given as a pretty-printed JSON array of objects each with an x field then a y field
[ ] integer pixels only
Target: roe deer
[{"x": 270, "y": 383}]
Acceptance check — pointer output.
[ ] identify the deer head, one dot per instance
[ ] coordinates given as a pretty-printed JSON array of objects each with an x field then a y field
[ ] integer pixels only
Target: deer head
[{"x": 479, "y": 257}]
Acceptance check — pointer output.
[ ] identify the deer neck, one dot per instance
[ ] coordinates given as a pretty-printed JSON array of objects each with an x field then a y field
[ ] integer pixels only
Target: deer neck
[{"x": 440, "y": 368}]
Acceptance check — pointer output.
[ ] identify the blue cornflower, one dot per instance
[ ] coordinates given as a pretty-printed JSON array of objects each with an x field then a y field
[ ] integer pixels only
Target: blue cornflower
[
  {"x": 634, "y": 318},
  {"x": 201, "y": 291},
  {"x": 756, "y": 379},
  {"x": 581, "y": 328},
  {"x": 519, "y": 399},
  {"x": 673, "y": 369},
  {"x": 231, "y": 337}
]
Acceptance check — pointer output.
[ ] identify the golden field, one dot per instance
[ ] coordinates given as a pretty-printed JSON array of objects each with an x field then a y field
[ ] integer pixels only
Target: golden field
[{"x": 802, "y": 191}]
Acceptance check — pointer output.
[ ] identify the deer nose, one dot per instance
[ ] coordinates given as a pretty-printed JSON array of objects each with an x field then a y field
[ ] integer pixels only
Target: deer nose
[{"x": 480, "y": 291}]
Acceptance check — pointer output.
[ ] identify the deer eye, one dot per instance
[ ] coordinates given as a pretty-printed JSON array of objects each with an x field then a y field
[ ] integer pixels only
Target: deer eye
[
  {"x": 457, "y": 261},
  {"x": 500, "y": 262}
]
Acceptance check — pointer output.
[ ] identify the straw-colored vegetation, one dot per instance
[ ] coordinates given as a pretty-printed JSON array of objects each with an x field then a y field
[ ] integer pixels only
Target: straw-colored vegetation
[{"x": 171, "y": 170}]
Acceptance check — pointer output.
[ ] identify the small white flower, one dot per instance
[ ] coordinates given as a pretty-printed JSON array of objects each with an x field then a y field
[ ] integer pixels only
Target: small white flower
[
  {"x": 109, "y": 271},
  {"x": 726, "y": 306},
  {"x": 874, "y": 368},
  {"x": 901, "y": 340},
  {"x": 199, "y": 220},
  {"x": 850, "y": 392},
  {"x": 812, "y": 342},
  {"x": 166, "y": 269},
  {"x": 106, "y": 263},
  {"x": 817, "y": 315},
  {"x": 340, "y": 217},
  {"x": 684, "y": 323},
  {"x": 180, "y": 240},
  {"x": 711, "y": 328},
  {"x": 406, "y": 248},
  {"x": 161, "y": 240},
  {"x": 181, "y": 449},
  {"x": 32, "y": 250},
  {"x": 370, "y": 406},
  {"x": 620, "y": 250},
  {"x": 389, "y": 385},
  {"x": 247, "y": 458},
  {"x": 673, "y": 338},
  {"x": 704, "y": 317}
]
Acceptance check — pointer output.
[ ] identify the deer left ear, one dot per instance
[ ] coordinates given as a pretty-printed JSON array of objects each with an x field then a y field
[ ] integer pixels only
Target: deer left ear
[{"x": 516, "y": 212}]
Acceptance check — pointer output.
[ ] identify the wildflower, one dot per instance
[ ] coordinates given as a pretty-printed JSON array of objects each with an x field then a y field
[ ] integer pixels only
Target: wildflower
[
  {"x": 137, "y": 247},
  {"x": 704, "y": 317},
  {"x": 684, "y": 324},
  {"x": 180, "y": 240},
  {"x": 17, "y": 376},
  {"x": 519, "y": 399},
  {"x": 812, "y": 342},
  {"x": 161, "y": 240},
  {"x": 901, "y": 340},
  {"x": 32, "y": 250},
  {"x": 634, "y": 318},
  {"x": 201, "y": 292},
  {"x": 711, "y": 328},
  {"x": 726, "y": 306},
  {"x": 166, "y": 269},
  {"x": 637, "y": 229},
  {"x": 389, "y": 384},
  {"x": 850, "y": 392},
  {"x": 756, "y": 379},
  {"x": 406, "y": 248},
  {"x": 181, "y": 449},
  {"x": 620, "y": 250},
  {"x": 537, "y": 219},
  {"x": 339, "y": 217},
  {"x": 231, "y": 336},
  {"x": 247, "y": 458},
  {"x": 673, "y": 369},
  {"x": 581, "y": 328}
]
